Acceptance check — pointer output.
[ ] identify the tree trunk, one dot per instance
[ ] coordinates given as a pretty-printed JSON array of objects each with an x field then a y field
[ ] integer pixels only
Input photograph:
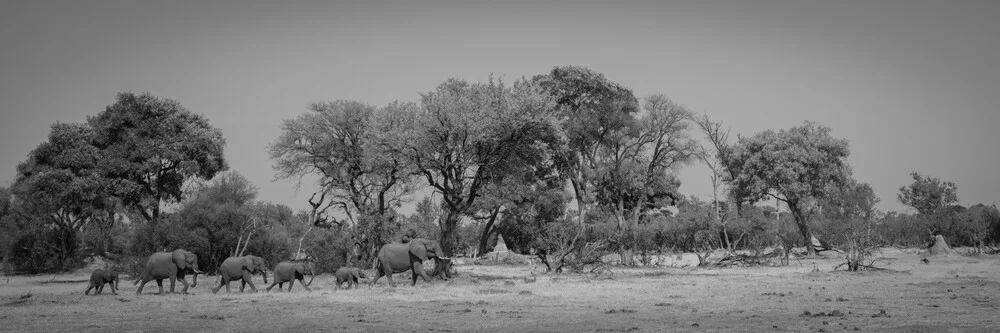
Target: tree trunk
[
  {"x": 449, "y": 234},
  {"x": 487, "y": 231},
  {"x": 803, "y": 225}
]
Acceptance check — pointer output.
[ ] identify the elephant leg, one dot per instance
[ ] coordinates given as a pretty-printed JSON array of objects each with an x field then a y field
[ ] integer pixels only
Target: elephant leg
[
  {"x": 248, "y": 279},
  {"x": 273, "y": 283},
  {"x": 378, "y": 275},
  {"x": 303, "y": 283},
  {"x": 173, "y": 280},
  {"x": 89, "y": 287},
  {"x": 222, "y": 282},
  {"x": 388, "y": 274},
  {"x": 114, "y": 290},
  {"x": 139, "y": 291},
  {"x": 290, "y": 283},
  {"x": 100, "y": 288},
  {"x": 184, "y": 283},
  {"x": 159, "y": 283},
  {"x": 418, "y": 270}
]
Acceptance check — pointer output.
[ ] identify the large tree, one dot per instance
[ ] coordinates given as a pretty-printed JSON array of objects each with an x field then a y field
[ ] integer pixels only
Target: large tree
[
  {"x": 151, "y": 146},
  {"x": 346, "y": 145},
  {"x": 633, "y": 171},
  {"x": 62, "y": 186},
  {"x": 594, "y": 112},
  {"x": 465, "y": 136},
  {"x": 800, "y": 167},
  {"x": 928, "y": 195}
]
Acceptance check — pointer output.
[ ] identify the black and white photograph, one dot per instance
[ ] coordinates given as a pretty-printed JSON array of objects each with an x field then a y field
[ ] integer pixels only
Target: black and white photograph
[{"x": 500, "y": 166}]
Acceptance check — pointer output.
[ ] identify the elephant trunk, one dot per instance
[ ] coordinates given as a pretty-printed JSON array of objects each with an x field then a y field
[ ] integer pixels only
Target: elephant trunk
[
  {"x": 194, "y": 279},
  {"x": 313, "y": 276}
]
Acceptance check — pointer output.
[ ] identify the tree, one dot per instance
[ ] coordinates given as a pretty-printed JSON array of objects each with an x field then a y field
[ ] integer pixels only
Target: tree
[
  {"x": 927, "y": 194},
  {"x": 591, "y": 110},
  {"x": 799, "y": 166},
  {"x": 717, "y": 156},
  {"x": 151, "y": 146},
  {"x": 634, "y": 165},
  {"x": 345, "y": 144},
  {"x": 61, "y": 185},
  {"x": 465, "y": 136}
]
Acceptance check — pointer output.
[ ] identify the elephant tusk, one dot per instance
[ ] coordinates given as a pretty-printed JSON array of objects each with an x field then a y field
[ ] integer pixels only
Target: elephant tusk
[
  {"x": 198, "y": 272},
  {"x": 446, "y": 258}
]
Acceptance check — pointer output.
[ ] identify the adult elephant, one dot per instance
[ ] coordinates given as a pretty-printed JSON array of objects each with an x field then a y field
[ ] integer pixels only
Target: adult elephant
[
  {"x": 242, "y": 269},
  {"x": 170, "y": 265},
  {"x": 288, "y": 271},
  {"x": 398, "y": 257}
]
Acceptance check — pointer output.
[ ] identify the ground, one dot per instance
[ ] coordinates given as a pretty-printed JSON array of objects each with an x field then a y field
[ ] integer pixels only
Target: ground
[{"x": 953, "y": 293}]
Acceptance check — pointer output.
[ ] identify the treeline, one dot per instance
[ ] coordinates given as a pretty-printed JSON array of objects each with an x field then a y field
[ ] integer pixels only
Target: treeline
[{"x": 567, "y": 165}]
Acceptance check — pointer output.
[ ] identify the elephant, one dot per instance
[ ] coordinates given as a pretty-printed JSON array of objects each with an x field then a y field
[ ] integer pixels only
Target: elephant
[
  {"x": 442, "y": 269},
  {"x": 288, "y": 271},
  {"x": 351, "y": 275},
  {"x": 170, "y": 265},
  {"x": 398, "y": 257},
  {"x": 98, "y": 278},
  {"x": 241, "y": 268}
]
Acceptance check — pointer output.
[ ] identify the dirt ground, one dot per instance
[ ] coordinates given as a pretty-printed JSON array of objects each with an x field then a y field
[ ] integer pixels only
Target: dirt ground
[{"x": 954, "y": 293}]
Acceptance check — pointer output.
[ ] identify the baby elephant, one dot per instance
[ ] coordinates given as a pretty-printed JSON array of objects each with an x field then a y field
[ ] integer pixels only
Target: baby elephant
[
  {"x": 101, "y": 276},
  {"x": 351, "y": 275}
]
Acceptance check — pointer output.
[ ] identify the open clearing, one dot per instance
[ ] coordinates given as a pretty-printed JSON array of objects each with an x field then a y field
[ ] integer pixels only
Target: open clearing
[{"x": 955, "y": 293}]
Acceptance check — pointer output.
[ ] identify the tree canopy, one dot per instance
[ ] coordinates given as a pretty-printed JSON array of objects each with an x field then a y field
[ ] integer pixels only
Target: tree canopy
[
  {"x": 928, "y": 195},
  {"x": 150, "y": 146},
  {"x": 800, "y": 167}
]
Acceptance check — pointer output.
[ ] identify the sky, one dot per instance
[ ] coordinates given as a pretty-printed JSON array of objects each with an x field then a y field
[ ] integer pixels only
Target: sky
[{"x": 912, "y": 85}]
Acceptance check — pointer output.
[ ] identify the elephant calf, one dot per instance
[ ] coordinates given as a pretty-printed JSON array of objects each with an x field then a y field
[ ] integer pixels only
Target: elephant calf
[
  {"x": 351, "y": 275},
  {"x": 99, "y": 277},
  {"x": 287, "y": 271},
  {"x": 241, "y": 268}
]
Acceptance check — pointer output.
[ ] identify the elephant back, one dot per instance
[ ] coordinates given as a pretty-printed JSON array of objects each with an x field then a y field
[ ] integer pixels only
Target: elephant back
[{"x": 232, "y": 266}]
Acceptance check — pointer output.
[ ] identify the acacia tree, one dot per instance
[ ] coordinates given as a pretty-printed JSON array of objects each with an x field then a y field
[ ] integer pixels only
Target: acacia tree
[
  {"x": 61, "y": 184},
  {"x": 346, "y": 144},
  {"x": 928, "y": 195},
  {"x": 799, "y": 166},
  {"x": 465, "y": 136},
  {"x": 151, "y": 146}
]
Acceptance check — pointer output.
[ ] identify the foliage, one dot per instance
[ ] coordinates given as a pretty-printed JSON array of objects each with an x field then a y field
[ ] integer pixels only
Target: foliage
[
  {"x": 591, "y": 109},
  {"x": 151, "y": 146},
  {"x": 465, "y": 136},
  {"x": 799, "y": 167},
  {"x": 928, "y": 195},
  {"x": 348, "y": 145},
  {"x": 61, "y": 187}
]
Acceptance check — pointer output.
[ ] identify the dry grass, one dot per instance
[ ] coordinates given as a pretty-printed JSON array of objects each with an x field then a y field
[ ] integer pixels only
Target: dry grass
[{"x": 954, "y": 293}]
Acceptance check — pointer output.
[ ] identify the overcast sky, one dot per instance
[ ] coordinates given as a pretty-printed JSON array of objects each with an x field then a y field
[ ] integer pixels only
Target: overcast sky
[{"x": 913, "y": 85}]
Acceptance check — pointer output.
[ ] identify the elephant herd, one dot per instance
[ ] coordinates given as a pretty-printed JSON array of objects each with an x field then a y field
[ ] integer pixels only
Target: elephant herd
[{"x": 392, "y": 258}]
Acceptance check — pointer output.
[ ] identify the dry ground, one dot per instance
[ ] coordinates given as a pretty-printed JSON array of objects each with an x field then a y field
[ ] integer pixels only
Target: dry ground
[{"x": 956, "y": 293}]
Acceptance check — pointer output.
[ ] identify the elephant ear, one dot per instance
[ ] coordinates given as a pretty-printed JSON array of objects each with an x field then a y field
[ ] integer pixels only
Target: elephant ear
[
  {"x": 418, "y": 249},
  {"x": 248, "y": 263},
  {"x": 179, "y": 258}
]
